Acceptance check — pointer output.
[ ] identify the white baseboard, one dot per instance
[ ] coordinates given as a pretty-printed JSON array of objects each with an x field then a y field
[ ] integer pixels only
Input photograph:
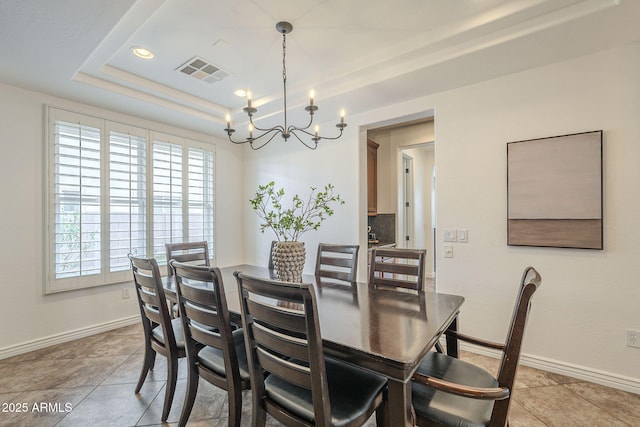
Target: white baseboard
[
  {"x": 39, "y": 343},
  {"x": 608, "y": 379}
]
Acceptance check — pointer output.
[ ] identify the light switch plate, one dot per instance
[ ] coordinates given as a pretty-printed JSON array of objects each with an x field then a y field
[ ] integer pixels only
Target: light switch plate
[
  {"x": 463, "y": 235},
  {"x": 450, "y": 235}
]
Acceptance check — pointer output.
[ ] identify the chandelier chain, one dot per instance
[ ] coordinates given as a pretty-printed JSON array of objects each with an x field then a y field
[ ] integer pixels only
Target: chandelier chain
[
  {"x": 284, "y": 56},
  {"x": 285, "y": 133}
]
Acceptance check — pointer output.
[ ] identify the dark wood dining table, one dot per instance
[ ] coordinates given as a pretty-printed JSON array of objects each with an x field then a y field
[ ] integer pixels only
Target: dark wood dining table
[{"x": 384, "y": 330}]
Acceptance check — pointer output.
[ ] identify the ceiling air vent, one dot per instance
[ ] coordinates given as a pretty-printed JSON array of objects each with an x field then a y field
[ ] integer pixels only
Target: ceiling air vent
[{"x": 203, "y": 70}]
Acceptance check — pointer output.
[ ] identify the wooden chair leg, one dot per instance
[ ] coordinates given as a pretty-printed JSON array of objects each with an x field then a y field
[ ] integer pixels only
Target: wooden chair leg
[
  {"x": 190, "y": 397},
  {"x": 147, "y": 365},
  {"x": 382, "y": 413},
  {"x": 172, "y": 379},
  {"x": 235, "y": 406},
  {"x": 258, "y": 414}
]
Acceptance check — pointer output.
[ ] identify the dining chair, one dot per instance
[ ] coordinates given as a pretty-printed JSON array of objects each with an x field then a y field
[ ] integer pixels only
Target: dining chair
[
  {"x": 397, "y": 267},
  {"x": 450, "y": 392},
  {"x": 290, "y": 378},
  {"x": 162, "y": 334},
  {"x": 338, "y": 262},
  {"x": 215, "y": 352},
  {"x": 196, "y": 253}
]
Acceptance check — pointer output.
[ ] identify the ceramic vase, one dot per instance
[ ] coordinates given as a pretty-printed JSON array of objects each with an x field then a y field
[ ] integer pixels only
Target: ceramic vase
[{"x": 288, "y": 260}]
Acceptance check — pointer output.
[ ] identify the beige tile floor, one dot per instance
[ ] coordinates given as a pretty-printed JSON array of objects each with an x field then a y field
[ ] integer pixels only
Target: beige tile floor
[{"x": 90, "y": 381}]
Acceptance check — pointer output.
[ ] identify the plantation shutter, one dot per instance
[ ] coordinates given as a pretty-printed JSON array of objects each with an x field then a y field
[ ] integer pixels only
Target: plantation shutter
[
  {"x": 200, "y": 195},
  {"x": 167, "y": 197},
  {"x": 127, "y": 197},
  {"x": 76, "y": 191}
]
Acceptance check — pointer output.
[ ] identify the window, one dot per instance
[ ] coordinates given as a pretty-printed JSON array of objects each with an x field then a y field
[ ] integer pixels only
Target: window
[
  {"x": 167, "y": 196},
  {"x": 127, "y": 198},
  {"x": 111, "y": 192},
  {"x": 76, "y": 200}
]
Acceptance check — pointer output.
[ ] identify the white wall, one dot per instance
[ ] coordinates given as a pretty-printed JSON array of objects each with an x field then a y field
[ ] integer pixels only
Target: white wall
[
  {"x": 27, "y": 315},
  {"x": 588, "y": 297}
]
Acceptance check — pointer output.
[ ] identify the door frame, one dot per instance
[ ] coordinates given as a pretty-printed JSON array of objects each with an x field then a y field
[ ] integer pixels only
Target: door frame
[{"x": 429, "y": 232}]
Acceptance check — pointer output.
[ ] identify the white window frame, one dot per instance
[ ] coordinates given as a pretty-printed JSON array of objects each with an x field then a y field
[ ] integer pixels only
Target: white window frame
[{"x": 105, "y": 276}]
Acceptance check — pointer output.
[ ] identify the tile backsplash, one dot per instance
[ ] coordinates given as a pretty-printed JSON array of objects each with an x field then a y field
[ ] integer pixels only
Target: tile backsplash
[{"x": 384, "y": 227}]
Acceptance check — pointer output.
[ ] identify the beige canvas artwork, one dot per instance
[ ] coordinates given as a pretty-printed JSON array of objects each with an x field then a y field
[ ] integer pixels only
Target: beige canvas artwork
[{"x": 555, "y": 191}]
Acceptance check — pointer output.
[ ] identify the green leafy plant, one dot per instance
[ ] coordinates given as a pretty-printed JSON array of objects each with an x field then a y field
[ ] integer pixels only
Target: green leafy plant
[{"x": 303, "y": 215}]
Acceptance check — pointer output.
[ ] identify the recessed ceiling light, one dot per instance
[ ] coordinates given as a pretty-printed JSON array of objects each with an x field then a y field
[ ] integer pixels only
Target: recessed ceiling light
[
  {"x": 240, "y": 92},
  {"x": 141, "y": 52}
]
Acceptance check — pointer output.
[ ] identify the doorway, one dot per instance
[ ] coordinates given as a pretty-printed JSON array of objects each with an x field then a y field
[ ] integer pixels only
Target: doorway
[
  {"x": 416, "y": 200},
  {"x": 407, "y": 144}
]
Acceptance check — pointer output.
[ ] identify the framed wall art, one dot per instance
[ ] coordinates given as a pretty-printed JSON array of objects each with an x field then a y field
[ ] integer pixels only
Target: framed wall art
[{"x": 554, "y": 191}]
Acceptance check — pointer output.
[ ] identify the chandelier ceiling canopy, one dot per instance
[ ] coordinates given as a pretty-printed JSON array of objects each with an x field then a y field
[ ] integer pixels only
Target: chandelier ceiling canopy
[{"x": 260, "y": 137}]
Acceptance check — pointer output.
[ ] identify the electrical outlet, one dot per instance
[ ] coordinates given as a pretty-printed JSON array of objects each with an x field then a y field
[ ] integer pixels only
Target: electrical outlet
[
  {"x": 125, "y": 293},
  {"x": 633, "y": 338},
  {"x": 448, "y": 251}
]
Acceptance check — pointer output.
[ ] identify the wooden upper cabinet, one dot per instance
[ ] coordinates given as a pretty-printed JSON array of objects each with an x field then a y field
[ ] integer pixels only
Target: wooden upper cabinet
[{"x": 372, "y": 177}]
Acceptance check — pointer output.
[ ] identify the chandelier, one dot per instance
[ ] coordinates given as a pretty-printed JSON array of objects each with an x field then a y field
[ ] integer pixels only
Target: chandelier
[{"x": 265, "y": 135}]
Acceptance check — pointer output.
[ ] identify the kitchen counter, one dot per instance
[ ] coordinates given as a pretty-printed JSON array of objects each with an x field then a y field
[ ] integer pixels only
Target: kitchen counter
[{"x": 379, "y": 244}]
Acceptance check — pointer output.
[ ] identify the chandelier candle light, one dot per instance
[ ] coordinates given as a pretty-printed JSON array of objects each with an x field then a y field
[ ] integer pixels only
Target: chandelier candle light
[{"x": 265, "y": 135}]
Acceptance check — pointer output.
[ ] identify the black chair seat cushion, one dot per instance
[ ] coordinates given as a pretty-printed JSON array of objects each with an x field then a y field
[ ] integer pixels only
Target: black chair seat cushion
[
  {"x": 176, "y": 324},
  {"x": 352, "y": 392},
  {"x": 447, "y": 408},
  {"x": 212, "y": 358}
]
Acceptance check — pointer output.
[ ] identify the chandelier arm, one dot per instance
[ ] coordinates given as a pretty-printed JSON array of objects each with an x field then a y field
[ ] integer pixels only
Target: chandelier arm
[
  {"x": 311, "y": 147},
  {"x": 314, "y": 135},
  {"x": 331, "y": 138},
  {"x": 244, "y": 141},
  {"x": 292, "y": 127},
  {"x": 279, "y": 127},
  {"x": 275, "y": 131},
  {"x": 237, "y": 141},
  {"x": 262, "y": 145}
]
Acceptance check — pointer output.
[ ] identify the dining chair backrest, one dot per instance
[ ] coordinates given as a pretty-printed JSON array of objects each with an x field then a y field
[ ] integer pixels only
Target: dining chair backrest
[
  {"x": 282, "y": 336},
  {"x": 161, "y": 334},
  {"x": 204, "y": 311},
  {"x": 196, "y": 253},
  {"x": 338, "y": 262},
  {"x": 207, "y": 325},
  {"x": 398, "y": 267},
  {"x": 151, "y": 298},
  {"x": 529, "y": 283}
]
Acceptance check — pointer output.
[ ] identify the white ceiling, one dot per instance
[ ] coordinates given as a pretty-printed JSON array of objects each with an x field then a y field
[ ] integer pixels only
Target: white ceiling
[{"x": 355, "y": 54}]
